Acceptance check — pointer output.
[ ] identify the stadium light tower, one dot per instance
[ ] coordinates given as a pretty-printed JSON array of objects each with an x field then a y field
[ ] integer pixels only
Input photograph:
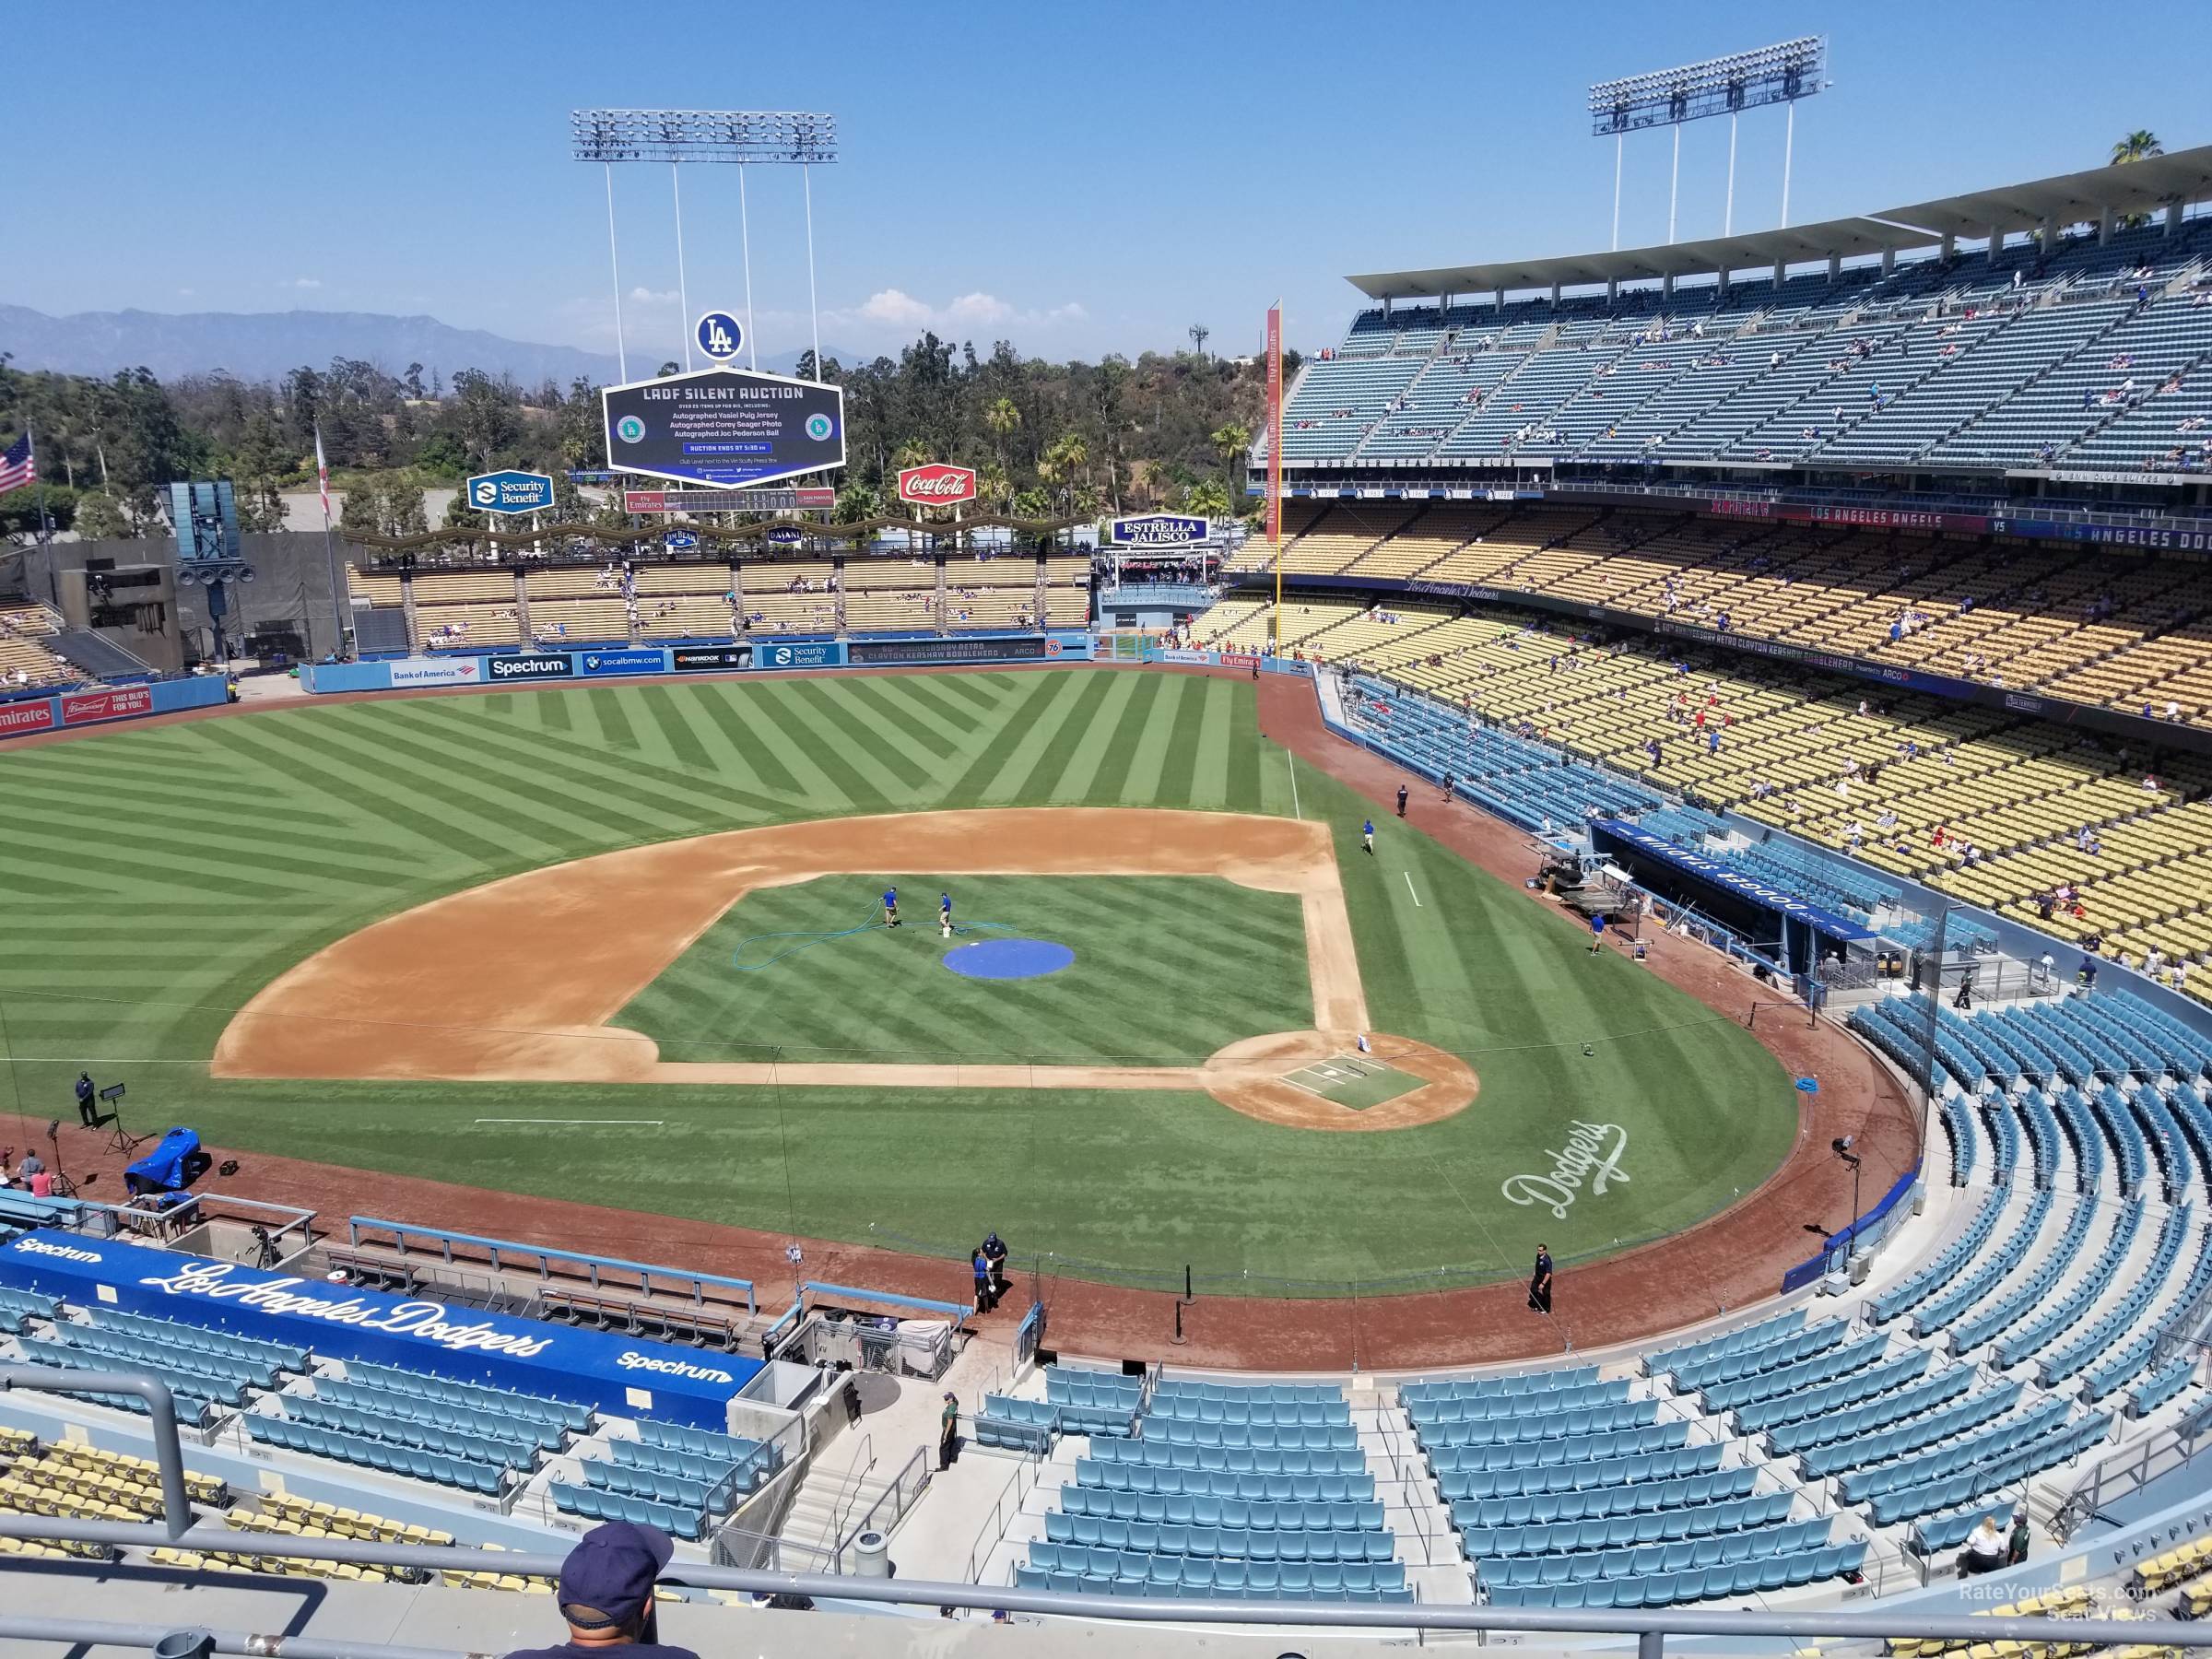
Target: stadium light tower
[
  {"x": 1723, "y": 85},
  {"x": 732, "y": 137}
]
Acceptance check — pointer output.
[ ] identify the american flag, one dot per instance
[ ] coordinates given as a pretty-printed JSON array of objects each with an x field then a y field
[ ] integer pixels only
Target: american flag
[
  {"x": 17, "y": 467},
  {"x": 323, "y": 474}
]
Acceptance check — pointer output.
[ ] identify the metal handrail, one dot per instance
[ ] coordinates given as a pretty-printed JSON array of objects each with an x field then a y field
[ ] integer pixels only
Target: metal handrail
[
  {"x": 1649, "y": 1626},
  {"x": 1650, "y": 1629},
  {"x": 863, "y": 1459}
]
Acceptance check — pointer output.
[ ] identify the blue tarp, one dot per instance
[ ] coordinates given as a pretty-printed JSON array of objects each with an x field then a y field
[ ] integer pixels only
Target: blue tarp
[
  {"x": 592, "y": 1368},
  {"x": 162, "y": 1170},
  {"x": 1726, "y": 876}
]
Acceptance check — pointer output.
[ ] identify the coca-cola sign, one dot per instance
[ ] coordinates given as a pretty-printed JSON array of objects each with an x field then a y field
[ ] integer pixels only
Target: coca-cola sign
[{"x": 936, "y": 485}]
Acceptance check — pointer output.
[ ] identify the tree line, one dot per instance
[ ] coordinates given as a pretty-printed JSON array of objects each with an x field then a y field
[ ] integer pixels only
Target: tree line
[{"x": 1078, "y": 439}]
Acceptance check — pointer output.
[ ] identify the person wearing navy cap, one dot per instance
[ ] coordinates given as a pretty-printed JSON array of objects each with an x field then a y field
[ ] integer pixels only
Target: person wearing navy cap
[{"x": 606, "y": 1594}]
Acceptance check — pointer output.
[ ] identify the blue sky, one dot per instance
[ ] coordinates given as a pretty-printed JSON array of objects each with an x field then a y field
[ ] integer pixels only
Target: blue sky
[{"x": 1076, "y": 180}]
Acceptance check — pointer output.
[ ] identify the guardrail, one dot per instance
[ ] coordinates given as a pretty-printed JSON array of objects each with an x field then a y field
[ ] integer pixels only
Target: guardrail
[
  {"x": 681, "y": 1280},
  {"x": 177, "y": 1529}
]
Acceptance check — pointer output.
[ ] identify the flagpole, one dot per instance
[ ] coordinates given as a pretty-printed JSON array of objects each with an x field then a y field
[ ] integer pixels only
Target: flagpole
[
  {"x": 330, "y": 555},
  {"x": 30, "y": 451}
]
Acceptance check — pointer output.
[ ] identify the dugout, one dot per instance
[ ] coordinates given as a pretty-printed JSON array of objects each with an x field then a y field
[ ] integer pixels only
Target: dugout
[{"x": 1735, "y": 900}]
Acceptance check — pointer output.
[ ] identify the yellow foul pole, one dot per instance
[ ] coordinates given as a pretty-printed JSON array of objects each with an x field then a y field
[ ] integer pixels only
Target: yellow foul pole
[{"x": 1274, "y": 462}]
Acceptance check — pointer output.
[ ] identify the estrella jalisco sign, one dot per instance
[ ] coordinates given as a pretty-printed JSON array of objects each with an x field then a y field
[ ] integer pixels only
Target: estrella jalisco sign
[{"x": 1157, "y": 530}]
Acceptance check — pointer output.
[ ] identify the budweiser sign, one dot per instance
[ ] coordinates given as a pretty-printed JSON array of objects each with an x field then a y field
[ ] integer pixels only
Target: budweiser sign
[{"x": 936, "y": 485}]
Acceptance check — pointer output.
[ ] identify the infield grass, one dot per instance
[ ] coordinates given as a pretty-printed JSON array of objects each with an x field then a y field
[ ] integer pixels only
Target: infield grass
[
  {"x": 153, "y": 878},
  {"x": 823, "y": 979}
]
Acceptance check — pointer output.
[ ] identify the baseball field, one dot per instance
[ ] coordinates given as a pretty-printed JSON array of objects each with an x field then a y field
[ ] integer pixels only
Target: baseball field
[{"x": 624, "y": 944}]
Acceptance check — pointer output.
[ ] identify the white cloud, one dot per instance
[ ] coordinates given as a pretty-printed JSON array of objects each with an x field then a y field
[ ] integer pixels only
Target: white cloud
[
  {"x": 185, "y": 293},
  {"x": 896, "y": 310},
  {"x": 899, "y": 309},
  {"x": 654, "y": 297},
  {"x": 307, "y": 282}
]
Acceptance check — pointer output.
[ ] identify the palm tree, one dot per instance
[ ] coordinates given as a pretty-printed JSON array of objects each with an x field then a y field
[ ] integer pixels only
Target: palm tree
[
  {"x": 1206, "y": 497},
  {"x": 991, "y": 483},
  {"x": 1063, "y": 463},
  {"x": 1199, "y": 334},
  {"x": 1003, "y": 420},
  {"x": 2138, "y": 145},
  {"x": 1232, "y": 442}
]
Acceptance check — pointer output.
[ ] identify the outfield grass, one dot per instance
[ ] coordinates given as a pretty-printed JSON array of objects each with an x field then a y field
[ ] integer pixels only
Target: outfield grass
[
  {"x": 152, "y": 879},
  {"x": 824, "y": 980}
]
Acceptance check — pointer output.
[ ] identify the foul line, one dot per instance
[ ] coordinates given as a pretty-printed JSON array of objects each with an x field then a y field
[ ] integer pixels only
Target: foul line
[
  {"x": 651, "y": 1123},
  {"x": 1295, "y": 812},
  {"x": 1417, "y": 898}
]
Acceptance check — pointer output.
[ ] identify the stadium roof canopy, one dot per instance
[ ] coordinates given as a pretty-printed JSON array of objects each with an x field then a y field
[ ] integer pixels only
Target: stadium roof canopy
[{"x": 2138, "y": 187}]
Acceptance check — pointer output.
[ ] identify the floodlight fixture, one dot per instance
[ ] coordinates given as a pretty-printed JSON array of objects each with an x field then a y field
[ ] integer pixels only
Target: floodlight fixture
[
  {"x": 1722, "y": 86},
  {"x": 742, "y": 139}
]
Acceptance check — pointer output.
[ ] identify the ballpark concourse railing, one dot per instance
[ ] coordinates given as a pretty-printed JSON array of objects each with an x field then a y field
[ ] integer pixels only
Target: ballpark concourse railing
[{"x": 177, "y": 1528}]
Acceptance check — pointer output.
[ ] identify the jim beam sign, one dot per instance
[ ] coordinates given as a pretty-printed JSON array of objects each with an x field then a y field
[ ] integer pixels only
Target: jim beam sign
[{"x": 936, "y": 485}]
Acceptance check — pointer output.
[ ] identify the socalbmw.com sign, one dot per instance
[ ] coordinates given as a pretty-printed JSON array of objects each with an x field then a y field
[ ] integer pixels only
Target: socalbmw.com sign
[
  {"x": 936, "y": 485},
  {"x": 1157, "y": 530},
  {"x": 724, "y": 427},
  {"x": 510, "y": 492}
]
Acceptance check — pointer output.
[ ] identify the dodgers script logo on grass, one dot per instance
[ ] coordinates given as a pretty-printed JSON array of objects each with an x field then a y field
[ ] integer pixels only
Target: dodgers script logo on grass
[{"x": 1593, "y": 1151}]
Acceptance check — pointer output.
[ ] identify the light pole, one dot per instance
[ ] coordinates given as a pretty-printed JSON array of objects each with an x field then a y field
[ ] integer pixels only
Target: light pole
[
  {"x": 736, "y": 137},
  {"x": 1842, "y": 1147}
]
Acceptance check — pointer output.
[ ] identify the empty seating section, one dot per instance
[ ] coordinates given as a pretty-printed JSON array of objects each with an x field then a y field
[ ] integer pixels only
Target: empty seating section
[
  {"x": 27, "y": 657},
  {"x": 680, "y": 1479},
  {"x": 1568, "y": 1490},
  {"x": 1210, "y": 1489},
  {"x": 2008, "y": 358}
]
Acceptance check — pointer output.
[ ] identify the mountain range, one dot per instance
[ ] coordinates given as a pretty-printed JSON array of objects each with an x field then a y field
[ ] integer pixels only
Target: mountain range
[{"x": 258, "y": 345}]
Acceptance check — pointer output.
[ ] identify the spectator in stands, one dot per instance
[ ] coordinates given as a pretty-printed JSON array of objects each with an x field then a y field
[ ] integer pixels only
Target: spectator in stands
[
  {"x": 8, "y": 1173},
  {"x": 605, "y": 1594},
  {"x": 1985, "y": 1550},
  {"x": 2085, "y": 976}
]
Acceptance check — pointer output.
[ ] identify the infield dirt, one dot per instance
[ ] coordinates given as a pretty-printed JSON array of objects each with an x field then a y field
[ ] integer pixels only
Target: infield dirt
[{"x": 519, "y": 980}]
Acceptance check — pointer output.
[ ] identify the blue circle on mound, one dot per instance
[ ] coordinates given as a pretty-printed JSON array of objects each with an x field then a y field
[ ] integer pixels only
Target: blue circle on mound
[{"x": 1009, "y": 959}]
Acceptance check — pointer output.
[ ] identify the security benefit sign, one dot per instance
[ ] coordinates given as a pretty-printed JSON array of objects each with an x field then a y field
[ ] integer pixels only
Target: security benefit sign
[{"x": 724, "y": 427}]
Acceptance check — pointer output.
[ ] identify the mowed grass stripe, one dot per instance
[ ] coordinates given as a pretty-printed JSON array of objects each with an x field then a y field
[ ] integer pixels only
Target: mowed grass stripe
[
  {"x": 974, "y": 784},
  {"x": 341, "y": 853},
  {"x": 886, "y": 758},
  {"x": 1146, "y": 768},
  {"x": 727, "y": 705},
  {"x": 884, "y": 700},
  {"x": 383, "y": 793},
  {"x": 1209, "y": 755},
  {"x": 1244, "y": 793},
  {"x": 464, "y": 763},
  {"x": 958, "y": 715},
  {"x": 666, "y": 717},
  {"x": 1101, "y": 720},
  {"x": 666, "y": 791},
  {"x": 615, "y": 727},
  {"x": 825, "y": 781},
  {"x": 1120, "y": 747},
  {"x": 1058, "y": 736}
]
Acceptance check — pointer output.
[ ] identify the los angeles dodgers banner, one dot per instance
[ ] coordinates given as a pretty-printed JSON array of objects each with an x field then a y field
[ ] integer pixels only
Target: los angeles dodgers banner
[{"x": 340, "y": 1322}]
